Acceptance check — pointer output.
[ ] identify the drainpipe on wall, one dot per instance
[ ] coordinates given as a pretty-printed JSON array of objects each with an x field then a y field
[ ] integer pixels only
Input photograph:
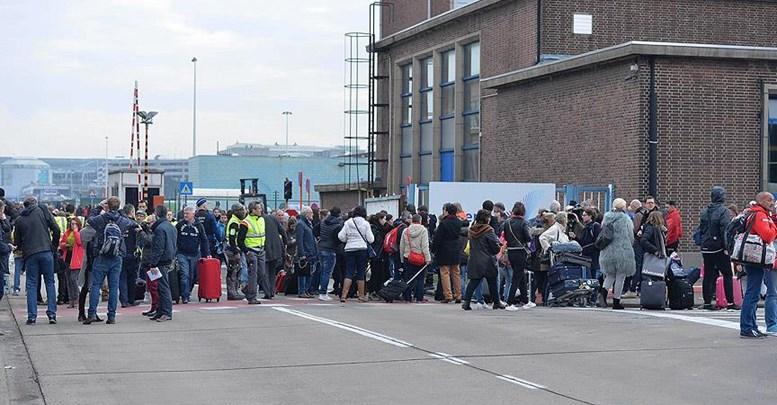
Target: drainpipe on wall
[
  {"x": 539, "y": 31},
  {"x": 428, "y": 9},
  {"x": 652, "y": 132}
]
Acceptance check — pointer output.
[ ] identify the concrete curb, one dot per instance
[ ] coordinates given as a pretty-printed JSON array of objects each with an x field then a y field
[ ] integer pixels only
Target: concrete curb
[{"x": 20, "y": 385}]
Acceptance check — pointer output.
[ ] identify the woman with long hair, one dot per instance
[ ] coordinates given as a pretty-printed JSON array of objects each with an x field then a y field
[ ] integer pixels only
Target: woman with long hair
[
  {"x": 483, "y": 248},
  {"x": 73, "y": 250},
  {"x": 357, "y": 235}
]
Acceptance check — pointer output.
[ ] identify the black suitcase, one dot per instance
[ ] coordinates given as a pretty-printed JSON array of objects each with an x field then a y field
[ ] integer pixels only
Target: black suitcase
[
  {"x": 573, "y": 259},
  {"x": 652, "y": 294},
  {"x": 393, "y": 289},
  {"x": 564, "y": 292},
  {"x": 175, "y": 287},
  {"x": 560, "y": 272},
  {"x": 680, "y": 294}
]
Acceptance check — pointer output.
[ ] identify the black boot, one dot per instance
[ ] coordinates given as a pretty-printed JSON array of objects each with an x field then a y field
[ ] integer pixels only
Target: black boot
[
  {"x": 616, "y": 304},
  {"x": 602, "y": 299},
  {"x": 465, "y": 306}
]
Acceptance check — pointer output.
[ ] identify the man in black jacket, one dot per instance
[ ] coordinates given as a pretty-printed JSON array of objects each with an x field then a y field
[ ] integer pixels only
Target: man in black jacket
[
  {"x": 328, "y": 245},
  {"x": 192, "y": 245},
  {"x": 446, "y": 249},
  {"x": 274, "y": 250},
  {"x": 713, "y": 222},
  {"x": 162, "y": 255},
  {"x": 37, "y": 235}
]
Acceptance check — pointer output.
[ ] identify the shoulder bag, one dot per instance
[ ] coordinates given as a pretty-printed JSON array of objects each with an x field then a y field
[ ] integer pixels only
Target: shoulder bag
[
  {"x": 414, "y": 258},
  {"x": 370, "y": 250},
  {"x": 750, "y": 249},
  {"x": 656, "y": 265}
]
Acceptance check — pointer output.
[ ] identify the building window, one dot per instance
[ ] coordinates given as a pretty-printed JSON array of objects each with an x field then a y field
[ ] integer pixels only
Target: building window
[
  {"x": 772, "y": 126},
  {"x": 427, "y": 98},
  {"x": 471, "y": 113},
  {"x": 448, "y": 83},
  {"x": 407, "y": 140},
  {"x": 407, "y": 94}
]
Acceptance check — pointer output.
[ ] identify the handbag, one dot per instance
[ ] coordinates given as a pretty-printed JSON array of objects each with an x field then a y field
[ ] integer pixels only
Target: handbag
[
  {"x": 605, "y": 236},
  {"x": 414, "y": 258},
  {"x": 750, "y": 249},
  {"x": 654, "y": 266},
  {"x": 302, "y": 267},
  {"x": 545, "y": 257},
  {"x": 370, "y": 250}
]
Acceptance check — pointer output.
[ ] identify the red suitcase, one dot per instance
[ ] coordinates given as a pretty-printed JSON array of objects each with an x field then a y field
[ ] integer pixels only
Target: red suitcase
[{"x": 209, "y": 274}]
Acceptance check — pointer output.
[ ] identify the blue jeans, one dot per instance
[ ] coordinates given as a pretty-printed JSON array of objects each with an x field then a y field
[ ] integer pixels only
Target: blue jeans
[
  {"x": 104, "y": 266},
  {"x": 303, "y": 282},
  {"x": 395, "y": 266},
  {"x": 356, "y": 264},
  {"x": 328, "y": 262},
  {"x": 506, "y": 273},
  {"x": 187, "y": 274},
  {"x": 40, "y": 263},
  {"x": 244, "y": 266},
  {"x": 747, "y": 317},
  {"x": 770, "y": 308},
  {"x": 417, "y": 285},
  {"x": 478, "y": 295},
  {"x": 165, "y": 305},
  {"x": 18, "y": 265}
]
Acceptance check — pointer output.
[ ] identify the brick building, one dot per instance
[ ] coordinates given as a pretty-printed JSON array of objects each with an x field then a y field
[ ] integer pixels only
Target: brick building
[{"x": 559, "y": 91}]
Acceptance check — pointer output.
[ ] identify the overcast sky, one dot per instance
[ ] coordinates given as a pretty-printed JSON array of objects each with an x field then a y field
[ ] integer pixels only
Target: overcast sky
[{"x": 68, "y": 68}]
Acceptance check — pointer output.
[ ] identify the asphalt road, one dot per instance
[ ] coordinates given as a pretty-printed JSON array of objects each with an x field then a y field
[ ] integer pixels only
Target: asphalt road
[{"x": 293, "y": 351}]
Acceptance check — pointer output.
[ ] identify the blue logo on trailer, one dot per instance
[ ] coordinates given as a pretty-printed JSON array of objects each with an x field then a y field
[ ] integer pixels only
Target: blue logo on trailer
[{"x": 186, "y": 188}]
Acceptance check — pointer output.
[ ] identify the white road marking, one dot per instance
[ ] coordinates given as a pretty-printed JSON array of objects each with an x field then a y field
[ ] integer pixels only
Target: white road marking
[
  {"x": 216, "y": 308},
  {"x": 673, "y": 315},
  {"x": 523, "y": 383},
  {"x": 350, "y": 328},
  {"x": 448, "y": 358}
]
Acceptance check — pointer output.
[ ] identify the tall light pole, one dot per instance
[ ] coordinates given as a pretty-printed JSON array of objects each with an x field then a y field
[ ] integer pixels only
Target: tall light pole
[
  {"x": 287, "y": 113},
  {"x": 194, "y": 111},
  {"x": 107, "y": 191}
]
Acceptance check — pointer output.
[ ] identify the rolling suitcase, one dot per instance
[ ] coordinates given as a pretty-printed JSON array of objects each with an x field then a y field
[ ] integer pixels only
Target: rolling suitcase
[
  {"x": 393, "y": 289},
  {"x": 652, "y": 295},
  {"x": 175, "y": 284},
  {"x": 680, "y": 294},
  {"x": 720, "y": 293},
  {"x": 571, "y": 291},
  {"x": 209, "y": 287},
  {"x": 560, "y": 272},
  {"x": 280, "y": 279},
  {"x": 573, "y": 259}
]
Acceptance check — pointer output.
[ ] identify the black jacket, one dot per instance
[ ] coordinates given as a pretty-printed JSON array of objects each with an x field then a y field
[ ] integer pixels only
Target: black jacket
[
  {"x": 164, "y": 243},
  {"x": 98, "y": 222},
  {"x": 445, "y": 244},
  {"x": 327, "y": 231},
  {"x": 586, "y": 238},
  {"x": 275, "y": 238},
  {"x": 483, "y": 247},
  {"x": 516, "y": 233},
  {"x": 36, "y": 231},
  {"x": 192, "y": 239},
  {"x": 652, "y": 239},
  {"x": 714, "y": 220}
]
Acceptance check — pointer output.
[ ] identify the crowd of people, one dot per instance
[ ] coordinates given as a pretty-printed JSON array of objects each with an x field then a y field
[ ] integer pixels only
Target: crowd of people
[{"x": 497, "y": 256}]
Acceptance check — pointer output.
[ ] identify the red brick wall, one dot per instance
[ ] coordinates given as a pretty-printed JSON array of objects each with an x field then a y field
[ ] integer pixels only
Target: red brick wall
[
  {"x": 723, "y": 22},
  {"x": 408, "y": 13},
  {"x": 591, "y": 127}
]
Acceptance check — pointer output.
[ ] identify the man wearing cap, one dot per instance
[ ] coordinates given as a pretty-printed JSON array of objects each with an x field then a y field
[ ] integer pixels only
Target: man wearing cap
[
  {"x": 208, "y": 220},
  {"x": 251, "y": 239},
  {"x": 236, "y": 260}
]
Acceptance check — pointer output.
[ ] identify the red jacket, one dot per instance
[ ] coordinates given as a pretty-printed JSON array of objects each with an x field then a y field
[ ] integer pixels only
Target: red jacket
[
  {"x": 674, "y": 227},
  {"x": 77, "y": 253},
  {"x": 764, "y": 226}
]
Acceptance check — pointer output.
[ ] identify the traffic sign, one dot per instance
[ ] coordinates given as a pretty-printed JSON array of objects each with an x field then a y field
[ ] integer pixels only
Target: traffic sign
[
  {"x": 92, "y": 194},
  {"x": 186, "y": 188},
  {"x": 50, "y": 191}
]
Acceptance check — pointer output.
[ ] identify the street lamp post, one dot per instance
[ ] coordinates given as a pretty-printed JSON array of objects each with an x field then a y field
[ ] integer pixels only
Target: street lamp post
[
  {"x": 287, "y": 113},
  {"x": 194, "y": 111},
  {"x": 146, "y": 118}
]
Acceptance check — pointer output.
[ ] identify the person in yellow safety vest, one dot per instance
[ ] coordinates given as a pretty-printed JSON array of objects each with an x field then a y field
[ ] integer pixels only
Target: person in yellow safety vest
[
  {"x": 235, "y": 258},
  {"x": 250, "y": 239}
]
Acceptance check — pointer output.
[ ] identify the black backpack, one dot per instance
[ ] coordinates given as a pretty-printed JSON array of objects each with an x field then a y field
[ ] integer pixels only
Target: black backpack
[
  {"x": 734, "y": 228},
  {"x": 712, "y": 237},
  {"x": 112, "y": 239}
]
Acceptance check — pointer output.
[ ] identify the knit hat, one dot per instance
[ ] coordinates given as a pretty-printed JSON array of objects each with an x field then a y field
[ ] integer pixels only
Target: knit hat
[{"x": 201, "y": 201}]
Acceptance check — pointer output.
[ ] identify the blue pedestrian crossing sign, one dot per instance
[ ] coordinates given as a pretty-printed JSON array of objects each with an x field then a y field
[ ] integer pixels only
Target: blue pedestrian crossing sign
[{"x": 186, "y": 188}]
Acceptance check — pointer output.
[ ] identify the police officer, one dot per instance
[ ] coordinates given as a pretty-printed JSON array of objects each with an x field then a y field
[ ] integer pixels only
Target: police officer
[
  {"x": 235, "y": 257},
  {"x": 251, "y": 239}
]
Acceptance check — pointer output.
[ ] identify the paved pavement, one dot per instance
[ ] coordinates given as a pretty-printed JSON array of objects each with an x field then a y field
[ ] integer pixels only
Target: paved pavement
[{"x": 290, "y": 350}]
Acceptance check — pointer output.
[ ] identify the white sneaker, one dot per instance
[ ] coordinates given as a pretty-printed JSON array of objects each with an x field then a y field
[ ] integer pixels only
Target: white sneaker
[
  {"x": 324, "y": 297},
  {"x": 504, "y": 304},
  {"x": 629, "y": 294},
  {"x": 512, "y": 308},
  {"x": 529, "y": 305},
  {"x": 480, "y": 306}
]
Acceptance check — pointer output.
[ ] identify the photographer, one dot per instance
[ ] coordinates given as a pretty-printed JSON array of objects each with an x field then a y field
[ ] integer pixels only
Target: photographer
[{"x": 574, "y": 224}]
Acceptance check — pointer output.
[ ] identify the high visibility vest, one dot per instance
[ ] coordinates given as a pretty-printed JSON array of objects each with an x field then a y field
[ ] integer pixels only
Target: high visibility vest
[
  {"x": 228, "y": 232},
  {"x": 255, "y": 234},
  {"x": 63, "y": 223}
]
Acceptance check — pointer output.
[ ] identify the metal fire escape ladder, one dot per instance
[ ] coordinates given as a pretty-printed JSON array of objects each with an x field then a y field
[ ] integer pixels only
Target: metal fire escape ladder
[{"x": 375, "y": 105}]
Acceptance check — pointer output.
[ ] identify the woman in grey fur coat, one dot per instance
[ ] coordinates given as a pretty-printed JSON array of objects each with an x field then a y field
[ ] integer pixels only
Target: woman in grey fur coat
[{"x": 617, "y": 258}]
